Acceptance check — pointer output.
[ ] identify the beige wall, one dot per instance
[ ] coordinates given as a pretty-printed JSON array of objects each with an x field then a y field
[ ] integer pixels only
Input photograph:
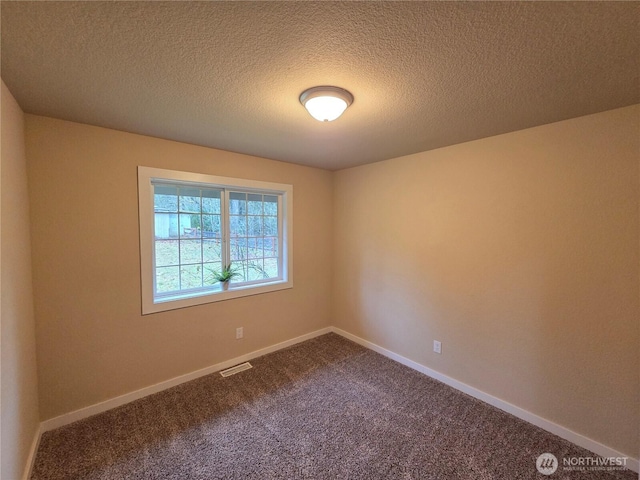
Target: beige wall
[
  {"x": 19, "y": 384},
  {"x": 93, "y": 342},
  {"x": 520, "y": 254}
]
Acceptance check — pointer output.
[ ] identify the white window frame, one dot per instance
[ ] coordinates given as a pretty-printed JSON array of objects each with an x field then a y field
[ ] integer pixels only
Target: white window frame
[{"x": 146, "y": 177}]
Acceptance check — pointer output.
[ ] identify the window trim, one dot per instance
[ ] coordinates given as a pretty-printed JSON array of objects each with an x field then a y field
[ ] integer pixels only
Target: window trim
[{"x": 146, "y": 175}]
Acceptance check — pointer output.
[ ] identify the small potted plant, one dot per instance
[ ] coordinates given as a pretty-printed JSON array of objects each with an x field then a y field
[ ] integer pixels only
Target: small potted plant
[{"x": 228, "y": 273}]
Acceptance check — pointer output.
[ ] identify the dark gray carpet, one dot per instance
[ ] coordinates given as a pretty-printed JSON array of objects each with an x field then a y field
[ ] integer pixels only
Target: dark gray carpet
[{"x": 323, "y": 409}]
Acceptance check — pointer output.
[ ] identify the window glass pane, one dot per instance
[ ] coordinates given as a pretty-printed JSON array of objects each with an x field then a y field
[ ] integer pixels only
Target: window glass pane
[
  {"x": 196, "y": 225},
  {"x": 270, "y": 247},
  {"x": 237, "y": 225},
  {"x": 255, "y": 204},
  {"x": 256, "y": 270},
  {"x": 189, "y": 199},
  {"x": 189, "y": 225},
  {"x": 237, "y": 203},
  {"x": 255, "y": 226},
  {"x": 208, "y": 271},
  {"x": 238, "y": 249},
  {"x": 211, "y": 201},
  {"x": 190, "y": 251},
  {"x": 254, "y": 248},
  {"x": 190, "y": 276},
  {"x": 211, "y": 226},
  {"x": 270, "y": 205},
  {"x": 271, "y": 267},
  {"x": 271, "y": 226},
  {"x": 165, "y": 225},
  {"x": 165, "y": 198},
  {"x": 243, "y": 268},
  {"x": 167, "y": 279},
  {"x": 211, "y": 250},
  {"x": 167, "y": 253}
]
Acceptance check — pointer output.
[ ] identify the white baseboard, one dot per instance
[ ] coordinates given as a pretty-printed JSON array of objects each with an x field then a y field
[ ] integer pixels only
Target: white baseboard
[
  {"x": 549, "y": 426},
  {"x": 32, "y": 453},
  {"x": 576, "y": 438},
  {"x": 91, "y": 410}
]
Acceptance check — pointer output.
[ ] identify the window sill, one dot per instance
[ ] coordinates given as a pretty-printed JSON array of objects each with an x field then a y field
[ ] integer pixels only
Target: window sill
[{"x": 182, "y": 301}]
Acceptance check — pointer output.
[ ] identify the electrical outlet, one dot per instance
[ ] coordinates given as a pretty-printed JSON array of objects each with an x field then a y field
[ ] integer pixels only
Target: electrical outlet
[
  {"x": 239, "y": 333},
  {"x": 437, "y": 346}
]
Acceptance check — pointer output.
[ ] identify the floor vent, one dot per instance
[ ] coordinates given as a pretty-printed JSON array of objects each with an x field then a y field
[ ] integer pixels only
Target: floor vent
[{"x": 238, "y": 368}]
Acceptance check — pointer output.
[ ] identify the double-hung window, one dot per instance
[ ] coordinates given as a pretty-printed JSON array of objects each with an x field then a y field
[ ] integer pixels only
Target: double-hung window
[{"x": 193, "y": 226}]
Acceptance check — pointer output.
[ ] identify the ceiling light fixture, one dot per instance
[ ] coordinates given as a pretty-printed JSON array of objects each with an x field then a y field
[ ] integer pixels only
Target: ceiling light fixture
[{"x": 326, "y": 103}]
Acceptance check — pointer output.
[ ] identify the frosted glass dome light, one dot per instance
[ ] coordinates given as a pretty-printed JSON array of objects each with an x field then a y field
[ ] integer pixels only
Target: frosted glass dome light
[{"x": 326, "y": 103}]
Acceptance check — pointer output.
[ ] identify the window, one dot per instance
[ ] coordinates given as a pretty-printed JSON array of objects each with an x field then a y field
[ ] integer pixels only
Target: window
[{"x": 193, "y": 225}]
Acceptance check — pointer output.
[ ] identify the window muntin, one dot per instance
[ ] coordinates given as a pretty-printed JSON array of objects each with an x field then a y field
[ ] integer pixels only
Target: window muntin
[{"x": 193, "y": 224}]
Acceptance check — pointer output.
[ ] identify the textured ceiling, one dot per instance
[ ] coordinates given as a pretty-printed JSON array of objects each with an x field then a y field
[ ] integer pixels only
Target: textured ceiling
[{"x": 229, "y": 74}]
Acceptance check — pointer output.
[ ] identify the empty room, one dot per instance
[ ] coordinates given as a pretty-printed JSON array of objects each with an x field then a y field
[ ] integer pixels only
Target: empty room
[{"x": 320, "y": 240}]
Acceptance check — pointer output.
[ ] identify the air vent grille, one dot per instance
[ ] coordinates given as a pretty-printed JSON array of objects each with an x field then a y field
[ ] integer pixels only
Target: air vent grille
[{"x": 238, "y": 368}]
